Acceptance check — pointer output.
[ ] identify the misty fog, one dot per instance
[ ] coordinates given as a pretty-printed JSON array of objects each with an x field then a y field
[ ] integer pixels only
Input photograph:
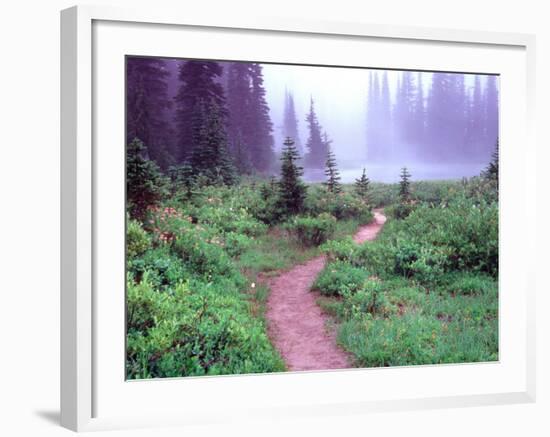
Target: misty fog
[{"x": 440, "y": 126}]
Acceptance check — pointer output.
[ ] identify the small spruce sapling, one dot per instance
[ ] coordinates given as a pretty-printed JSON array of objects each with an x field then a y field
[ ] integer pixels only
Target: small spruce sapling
[
  {"x": 292, "y": 191},
  {"x": 362, "y": 186},
  {"x": 405, "y": 185},
  {"x": 331, "y": 170}
]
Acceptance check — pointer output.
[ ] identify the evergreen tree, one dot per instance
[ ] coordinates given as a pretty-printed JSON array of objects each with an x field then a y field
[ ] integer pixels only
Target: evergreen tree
[
  {"x": 147, "y": 106},
  {"x": 292, "y": 191},
  {"x": 209, "y": 158},
  {"x": 290, "y": 122},
  {"x": 373, "y": 118},
  {"x": 249, "y": 124},
  {"x": 316, "y": 149},
  {"x": 145, "y": 185},
  {"x": 331, "y": 169},
  {"x": 362, "y": 185},
  {"x": 239, "y": 123},
  {"x": 261, "y": 152},
  {"x": 447, "y": 116},
  {"x": 491, "y": 172},
  {"x": 491, "y": 114},
  {"x": 405, "y": 185},
  {"x": 380, "y": 141},
  {"x": 475, "y": 131},
  {"x": 199, "y": 81}
]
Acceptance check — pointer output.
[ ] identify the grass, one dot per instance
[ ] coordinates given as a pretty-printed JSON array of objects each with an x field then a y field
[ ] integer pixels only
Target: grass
[{"x": 278, "y": 250}]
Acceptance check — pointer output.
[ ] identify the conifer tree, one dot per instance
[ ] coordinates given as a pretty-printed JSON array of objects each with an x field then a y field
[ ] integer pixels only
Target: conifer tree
[
  {"x": 261, "y": 153},
  {"x": 316, "y": 149},
  {"x": 362, "y": 185},
  {"x": 209, "y": 158},
  {"x": 200, "y": 81},
  {"x": 491, "y": 172},
  {"x": 145, "y": 185},
  {"x": 405, "y": 185},
  {"x": 292, "y": 191},
  {"x": 290, "y": 122},
  {"x": 249, "y": 124},
  {"x": 331, "y": 170},
  {"x": 147, "y": 105}
]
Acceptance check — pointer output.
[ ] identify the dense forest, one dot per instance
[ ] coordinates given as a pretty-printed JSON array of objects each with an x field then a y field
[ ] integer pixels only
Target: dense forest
[{"x": 219, "y": 211}]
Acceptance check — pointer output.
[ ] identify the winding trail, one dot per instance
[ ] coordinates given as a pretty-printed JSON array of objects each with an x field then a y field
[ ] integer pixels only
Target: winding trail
[{"x": 296, "y": 324}]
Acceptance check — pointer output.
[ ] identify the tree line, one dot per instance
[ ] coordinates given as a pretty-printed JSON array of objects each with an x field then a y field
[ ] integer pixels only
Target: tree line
[
  {"x": 452, "y": 121},
  {"x": 212, "y": 119}
]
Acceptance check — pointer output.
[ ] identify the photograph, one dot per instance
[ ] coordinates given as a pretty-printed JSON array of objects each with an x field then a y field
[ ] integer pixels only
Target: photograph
[{"x": 292, "y": 217}]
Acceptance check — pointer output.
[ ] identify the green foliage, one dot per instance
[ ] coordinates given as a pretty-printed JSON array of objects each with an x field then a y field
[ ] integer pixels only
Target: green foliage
[
  {"x": 145, "y": 185},
  {"x": 137, "y": 240},
  {"x": 339, "y": 278},
  {"x": 432, "y": 293},
  {"x": 313, "y": 231},
  {"x": 367, "y": 301},
  {"x": 342, "y": 205},
  {"x": 198, "y": 329}
]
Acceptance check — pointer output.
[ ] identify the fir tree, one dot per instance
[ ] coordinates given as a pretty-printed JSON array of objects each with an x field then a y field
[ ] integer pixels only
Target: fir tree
[
  {"x": 491, "y": 113},
  {"x": 331, "y": 170},
  {"x": 249, "y": 124},
  {"x": 209, "y": 159},
  {"x": 262, "y": 154},
  {"x": 200, "y": 81},
  {"x": 238, "y": 105},
  {"x": 362, "y": 185},
  {"x": 290, "y": 122},
  {"x": 405, "y": 185},
  {"x": 316, "y": 149},
  {"x": 491, "y": 172},
  {"x": 145, "y": 185},
  {"x": 292, "y": 191},
  {"x": 147, "y": 106}
]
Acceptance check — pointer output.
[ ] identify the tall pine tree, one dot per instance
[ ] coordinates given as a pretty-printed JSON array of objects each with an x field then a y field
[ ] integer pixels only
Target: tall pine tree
[
  {"x": 199, "y": 80},
  {"x": 209, "y": 158},
  {"x": 147, "y": 105},
  {"x": 290, "y": 122},
  {"x": 316, "y": 148},
  {"x": 262, "y": 154},
  {"x": 249, "y": 124}
]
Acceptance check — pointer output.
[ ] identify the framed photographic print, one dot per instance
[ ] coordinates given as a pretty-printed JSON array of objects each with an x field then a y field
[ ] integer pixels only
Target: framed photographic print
[{"x": 271, "y": 218}]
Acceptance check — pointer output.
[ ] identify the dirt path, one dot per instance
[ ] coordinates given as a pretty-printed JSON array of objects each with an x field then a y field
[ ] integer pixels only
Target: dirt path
[{"x": 297, "y": 325}]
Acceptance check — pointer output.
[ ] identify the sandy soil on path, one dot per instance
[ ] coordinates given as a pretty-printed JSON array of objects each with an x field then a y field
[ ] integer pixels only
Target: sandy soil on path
[{"x": 297, "y": 326}]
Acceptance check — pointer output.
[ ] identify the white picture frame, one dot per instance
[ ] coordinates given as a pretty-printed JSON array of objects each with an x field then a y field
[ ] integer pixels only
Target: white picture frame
[{"x": 84, "y": 355}]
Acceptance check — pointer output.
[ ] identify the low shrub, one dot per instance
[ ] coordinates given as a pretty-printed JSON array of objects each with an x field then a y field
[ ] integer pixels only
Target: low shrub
[
  {"x": 137, "y": 240},
  {"x": 164, "y": 269},
  {"x": 235, "y": 244},
  {"x": 369, "y": 298},
  {"x": 198, "y": 329},
  {"x": 342, "y": 206},
  {"x": 340, "y": 250},
  {"x": 312, "y": 231},
  {"x": 339, "y": 278},
  {"x": 468, "y": 284},
  {"x": 203, "y": 257}
]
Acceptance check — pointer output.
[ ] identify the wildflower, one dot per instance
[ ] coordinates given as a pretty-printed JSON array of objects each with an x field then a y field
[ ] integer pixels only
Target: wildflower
[{"x": 253, "y": 285}]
